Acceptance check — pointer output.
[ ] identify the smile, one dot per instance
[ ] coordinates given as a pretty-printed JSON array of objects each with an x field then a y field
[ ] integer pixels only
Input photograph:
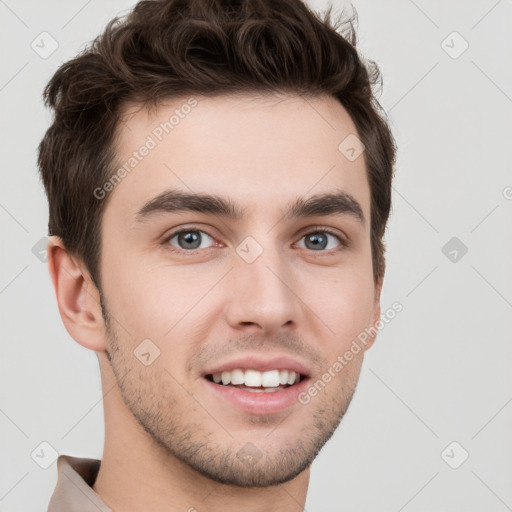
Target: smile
[{"x": 257, "y": 392}]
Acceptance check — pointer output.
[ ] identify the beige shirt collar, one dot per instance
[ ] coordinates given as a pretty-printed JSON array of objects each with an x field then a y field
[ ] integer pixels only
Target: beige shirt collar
[{"x": 73, "y": 492}]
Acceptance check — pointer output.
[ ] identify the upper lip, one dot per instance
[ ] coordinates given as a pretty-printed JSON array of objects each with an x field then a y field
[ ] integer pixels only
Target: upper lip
[{"x": 260, "y": 363}]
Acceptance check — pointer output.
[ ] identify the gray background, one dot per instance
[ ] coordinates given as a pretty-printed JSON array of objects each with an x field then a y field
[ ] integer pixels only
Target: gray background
[{"x": 438, "y": 373}]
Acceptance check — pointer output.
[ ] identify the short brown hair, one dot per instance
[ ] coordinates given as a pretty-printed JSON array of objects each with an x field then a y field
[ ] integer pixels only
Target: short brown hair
[{"x": 166, "y": 48}]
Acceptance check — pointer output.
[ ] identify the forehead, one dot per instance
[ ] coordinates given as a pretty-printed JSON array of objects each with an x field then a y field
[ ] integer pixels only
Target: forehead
[{"x": 261, "y": 152}]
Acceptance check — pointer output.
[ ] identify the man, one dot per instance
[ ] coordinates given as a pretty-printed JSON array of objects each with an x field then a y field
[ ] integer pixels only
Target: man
[{"x": 219, "y": 181}]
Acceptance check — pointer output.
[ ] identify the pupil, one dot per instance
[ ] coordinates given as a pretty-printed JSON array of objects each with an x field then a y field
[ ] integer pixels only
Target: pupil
[
  {"x": 191, "y": 239},
  {"x": 318, "y": 240}
]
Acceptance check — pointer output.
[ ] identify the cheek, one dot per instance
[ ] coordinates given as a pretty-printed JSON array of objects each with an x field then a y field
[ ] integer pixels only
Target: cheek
[
  {"x": 344, "y": 304},
  {"x": 154, "y": 301}
]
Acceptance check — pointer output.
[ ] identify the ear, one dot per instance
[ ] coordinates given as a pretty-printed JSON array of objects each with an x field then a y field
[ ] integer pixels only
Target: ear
[
  {"x": 78, "y": 298},
  {"x": 375, "y": 315}
]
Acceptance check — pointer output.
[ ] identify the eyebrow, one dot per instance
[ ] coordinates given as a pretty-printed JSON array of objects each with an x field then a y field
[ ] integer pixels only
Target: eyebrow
[{"x": 176, "y": 201}]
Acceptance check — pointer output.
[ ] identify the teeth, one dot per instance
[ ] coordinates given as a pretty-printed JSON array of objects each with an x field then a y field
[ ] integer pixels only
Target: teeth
[
  {"x": 237, "y": 377},
  {"x": 291, "y": 377},
  {"x": 270, "y": 379},
  {"x": 253, "y": 378}
]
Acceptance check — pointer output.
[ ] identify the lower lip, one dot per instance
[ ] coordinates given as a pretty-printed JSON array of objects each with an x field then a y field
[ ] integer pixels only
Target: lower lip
[{"x": 259, "y": 402}]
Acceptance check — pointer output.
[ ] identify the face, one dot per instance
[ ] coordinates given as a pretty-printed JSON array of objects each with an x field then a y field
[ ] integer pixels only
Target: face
[{"x": 259, "y": 277}]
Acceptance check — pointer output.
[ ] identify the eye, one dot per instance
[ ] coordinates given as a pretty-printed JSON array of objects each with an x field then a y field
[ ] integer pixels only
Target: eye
[
  {"x": 319, "y": 241},
  {"x": 189, "y": 239}
]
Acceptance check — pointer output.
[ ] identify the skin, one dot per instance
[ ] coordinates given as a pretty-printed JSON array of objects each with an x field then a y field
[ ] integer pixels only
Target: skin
[{"x": 169, "y": 443}]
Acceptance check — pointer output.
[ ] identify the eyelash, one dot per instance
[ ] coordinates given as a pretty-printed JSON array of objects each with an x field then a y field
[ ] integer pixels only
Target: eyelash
[{"x": 316, "y": 230}]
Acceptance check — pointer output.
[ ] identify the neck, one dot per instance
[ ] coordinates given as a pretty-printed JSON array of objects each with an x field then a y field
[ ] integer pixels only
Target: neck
[{"x": 137, "y": 474}]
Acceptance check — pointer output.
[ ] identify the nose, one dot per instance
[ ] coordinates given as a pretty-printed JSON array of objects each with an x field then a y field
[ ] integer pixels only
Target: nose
[{"x": 262, "y": 295}]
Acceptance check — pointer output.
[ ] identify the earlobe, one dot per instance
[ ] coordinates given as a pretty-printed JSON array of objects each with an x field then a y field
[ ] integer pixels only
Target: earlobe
[{"x": 77, "y": 297}]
